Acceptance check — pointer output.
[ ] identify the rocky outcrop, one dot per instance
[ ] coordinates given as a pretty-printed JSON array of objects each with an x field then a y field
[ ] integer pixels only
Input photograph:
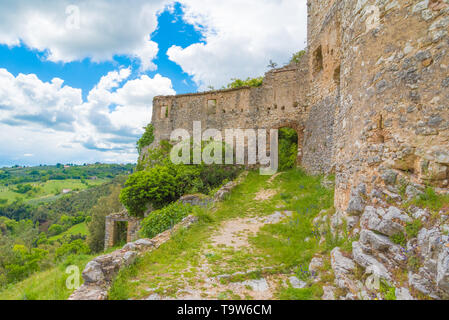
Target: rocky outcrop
[
  {"x": 426, "y": 257},
  {"x": 342, "y": 267},
  {"x": 386, "y": 222},
  {"x": 432, "y": 278}
]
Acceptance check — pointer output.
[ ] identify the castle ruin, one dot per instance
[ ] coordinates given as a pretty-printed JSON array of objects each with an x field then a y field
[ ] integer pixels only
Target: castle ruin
[{"x": 369, "y": 100}]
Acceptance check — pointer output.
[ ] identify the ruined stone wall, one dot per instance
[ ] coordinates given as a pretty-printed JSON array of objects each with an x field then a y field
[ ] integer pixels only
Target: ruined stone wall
[
  {"x": 393, "y": 118},
  {"x": 276, "y": 102},
  {"x": 282, "y": 101}
]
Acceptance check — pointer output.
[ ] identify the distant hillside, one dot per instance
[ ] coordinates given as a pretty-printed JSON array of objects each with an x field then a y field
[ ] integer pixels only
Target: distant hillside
[{"x": 43, "y": 173}]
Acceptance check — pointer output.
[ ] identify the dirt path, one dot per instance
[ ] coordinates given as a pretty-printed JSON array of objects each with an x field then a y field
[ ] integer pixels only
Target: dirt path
[{"x": 232, "y": 234}]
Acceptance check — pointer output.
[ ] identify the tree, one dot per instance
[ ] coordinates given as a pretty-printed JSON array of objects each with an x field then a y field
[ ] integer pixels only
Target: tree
[
  {"x": 55, "y": 229},
  {"x": 272, "y": 64},
  {"x": 296, "y": 58},
  {"x": 249, "y": 82},
  {"x": 104, "y": 207},
  {"x": 146, "y": 139}
]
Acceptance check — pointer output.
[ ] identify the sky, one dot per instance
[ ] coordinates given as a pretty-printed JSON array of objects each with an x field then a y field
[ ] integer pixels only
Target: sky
[{"x": 77, "y": 78}]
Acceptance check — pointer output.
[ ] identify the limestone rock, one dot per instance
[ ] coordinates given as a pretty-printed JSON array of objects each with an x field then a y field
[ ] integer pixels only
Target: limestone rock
[
  {"x": 356, "y": 202},
  {"x": 257, "y": 285},
  {"x": 89, "y": 292},
  {"x": 369, "y": 262},
  {"x": 422, "y": 283},
  {"x": 129, "y": 258},
  {"x": 315, "y": 264},
  {"x": 412, "y": 191},
  {"x": 443, "y": 270},
  {"x": 154, "y": 296},
  {"x": 93, "y": 273},
  {"x": 296, "y": 283},
  {"x": 342, "y": 267},
  {"x": 384, "y": 222},
  {"x": 420, "y": 214},
  {"x": 403, "y": 294},
  {"x": 376, "y": 241}
]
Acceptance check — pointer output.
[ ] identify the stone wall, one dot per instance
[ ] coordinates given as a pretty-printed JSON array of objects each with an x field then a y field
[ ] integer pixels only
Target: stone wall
[{"x": 393, "y": 116}]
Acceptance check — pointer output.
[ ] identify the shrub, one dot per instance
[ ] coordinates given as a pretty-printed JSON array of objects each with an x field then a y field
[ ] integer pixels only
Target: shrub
[
  {"x": 288, "y": 148},
  {"x": 25, "y": 262},
  {"x": 55, "y": 229},
  {"x": 22, "y": 188},
  {"x": 155, "y": 156},
  {"x": 249, "y": 82},
  {"x": 161, "y": 182},
  {"x": 160, "y": 220},
  {"x": 147, "y": 138},
  {"x": 296, "y": 58},
  {"x": 157, "y": 186},
  {"x": 74, "y": 247}
]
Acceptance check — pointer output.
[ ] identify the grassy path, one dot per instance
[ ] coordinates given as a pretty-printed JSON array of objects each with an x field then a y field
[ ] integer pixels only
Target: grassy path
[{"x": 246, "y": 247}]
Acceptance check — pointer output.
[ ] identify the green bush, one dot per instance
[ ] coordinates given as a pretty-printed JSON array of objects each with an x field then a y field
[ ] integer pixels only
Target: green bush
[
  {"x": 22, "y": 188},
  {"x": 147, "y": 138},
  {"x": 155, "y": 156},
  {"x": 160, "y": 220},
  {"x": 55, "y": 229},
  {"x": 296, "y": 58},
  {"x": 158, "y": 187},
  {"x": 73, "y": 248},
  {"x": 24, "y": 262},
  {"x": 288, "y": 148},
  {"x": 249, "y": 82}
]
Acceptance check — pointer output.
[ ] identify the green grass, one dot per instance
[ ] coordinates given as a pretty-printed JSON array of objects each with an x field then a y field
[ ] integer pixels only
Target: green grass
[
  {"x": 76, "y": 229},
  {"x": 49, "y": 190},
  {"x": 280, "y": 246},
  {"x": 430, "y": 199},
  {"x": 45, "y": 285}
]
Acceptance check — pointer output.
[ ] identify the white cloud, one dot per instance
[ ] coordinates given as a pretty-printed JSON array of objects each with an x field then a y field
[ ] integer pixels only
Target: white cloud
[
  {"x": 106, "y": 28},
  {"x": 26, "y": 99},
  {"x": 38, "y": 119},
  {"x": 240, "y": 38}
]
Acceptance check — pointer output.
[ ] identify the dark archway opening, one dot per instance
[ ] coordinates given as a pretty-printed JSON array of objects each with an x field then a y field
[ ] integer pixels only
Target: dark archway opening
[
  {"x": 121, "y": 232},
  {"x": 288, "y": 148}
]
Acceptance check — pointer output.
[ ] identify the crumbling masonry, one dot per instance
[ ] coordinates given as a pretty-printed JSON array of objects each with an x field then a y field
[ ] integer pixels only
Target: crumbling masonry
[{"x": 369, "y": 100}]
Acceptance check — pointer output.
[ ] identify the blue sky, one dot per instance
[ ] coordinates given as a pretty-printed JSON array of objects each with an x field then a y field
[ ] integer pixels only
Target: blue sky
[{"x": 77, "y": 78}]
